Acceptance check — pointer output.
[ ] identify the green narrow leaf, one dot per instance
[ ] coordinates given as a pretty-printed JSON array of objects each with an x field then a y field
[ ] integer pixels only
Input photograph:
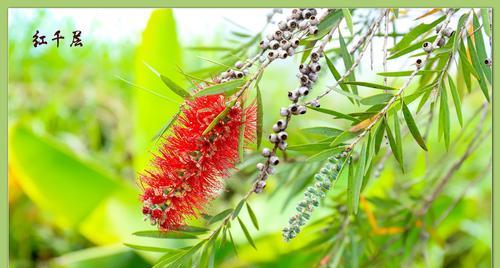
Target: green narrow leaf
[
  {"x": 347, "y": 61},
  {"x": 232, "y": 241},
  {"x": 247, "y": 234},
  {"x": 342, "y": 137},
  {"x": 397, "y": 135},
  {"x": 348, "y": 19},
  {"x": 418, "y": 45},
  {"x": 456, "y": 100},
  {"x": 323, "y": 131},
  {"x": 149, "y": 248},
  {"x": 480, "y": 46},
  {"x": 164, "y": 235},
  {"x": 311, "y": 147},
  {"x": 444, "y": 116},
  {"x": 327, "y": 23},
  {"x": 167, "y": 126},
  {"x": 335, "y": 113},
  {"x": 392, "y": 143},
  {"x": 220, "y": 216},
  {"x": 184, "y": 257},
  {"x": 370, "y": 151},
  {"x": 467, "y": 68},
  {"x": 376, "y": 99},
  {"x": 367, "y": 84},
  {"x": 253, "y": 217},
  {"x": 260, "y": 115},
  {"x": 324, "y": 154},
  {"x": 177, "y": 89},
  {"x": 354, "y": 185},
  {"x": 238, "y": 208},
  {"x": 412, "y": 126},
  {"x": 406, "y": 73},
  {"x": 227, "y": 88},
  {"x": 416, "y": 32},
  {"x": 241, "y": 137},
  {"x": 348, "y": 94},
  {"x": 485, "y": 17},
  {"x": 219, "y": 117},
  {"x": 336, "y": 75},
  {"x": 476, "y": 63},
  {"x": 379, "y": 136}
]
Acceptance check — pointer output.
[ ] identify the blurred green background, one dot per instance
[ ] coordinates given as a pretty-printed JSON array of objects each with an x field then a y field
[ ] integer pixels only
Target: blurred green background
[{"x": 79, "y": 135}]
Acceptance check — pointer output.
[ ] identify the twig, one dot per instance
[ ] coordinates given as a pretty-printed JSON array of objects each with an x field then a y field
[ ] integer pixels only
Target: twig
[
  {"x": 475, "y": 142},
  {"x": 384, "y": 110},
  {"x": 354, "y": 65},
  {"x": 457, "y": 199}
]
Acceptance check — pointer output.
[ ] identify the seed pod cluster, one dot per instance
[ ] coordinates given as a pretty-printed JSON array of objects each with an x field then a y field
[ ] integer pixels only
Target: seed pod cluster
[
  {"x": 313, "y": 195},
  {"x": 277, "y": 43},
  {"x": 236, "y": 73},
  {"x": 447, "y": 33},
  {"x": 280, "y": 42}
]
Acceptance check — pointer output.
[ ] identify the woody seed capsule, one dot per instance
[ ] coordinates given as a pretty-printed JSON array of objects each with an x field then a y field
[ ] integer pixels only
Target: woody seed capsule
[
  {"x": 315, "y": 103},
  {"x": 238, "y": 64},
  {"x": 292, "y": 24},
  {"x": 301, "y": 110},
  {"x": 293, "y": 108},
  {"x": 266, "y": 152},
  {"x": 448, "y": 32},
  {"x": 441, "y": 42},
  {"x": 282, "y": 25},
  {"x": 270, "y": 36},
  {"x": 295, "y": 42},
  {"x": 284, "y": 111},
  {"x": 274, "y": 44},
  {"x": 282, "y": 145},
  {"x": 263, "y": 44},
  {"x": 272, "y": 54},
  {"x": 260, "y": 166},
  {"x": 276, "y": 128},
  {"x": 281, "y": 123},
  {"x": 488, "y": 61},
  {"x": 304, "y": 69},
  {"x": 316, "y": 67},
  {"x": 313, "y": 77},
  {"x": 287, "y": 35},
  {"x": 296, "y": 13},
  {"x": 313, "y": 20},
  {"x": 273, "y": 138},
  {"x": 303, "y": 91},
  {"x": 427, "y": 46},
  {"x": 313, "y": 30},
  {"x": 284, "y": 44},
  {"x": 274, "y": 160},
  {"x": 303, "y": 24},
  {"x": 315, "y": 56},
  {"x": 292, "y": 95},
  {"x": 418, "y": 63},
  {"x": 282, "y": 135},
  {"x": 306, "y": 13},
  {"x": 304, "y": 79},
  {"x": 283, "y": 54},
  {"x": 290, "y": 51},
  {"x": 238, "y": 74},
  {"x": 278, "y": 35}
]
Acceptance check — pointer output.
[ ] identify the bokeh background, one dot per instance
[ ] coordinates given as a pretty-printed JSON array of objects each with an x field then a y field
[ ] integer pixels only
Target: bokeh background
[{"x": 80, "y": 132}]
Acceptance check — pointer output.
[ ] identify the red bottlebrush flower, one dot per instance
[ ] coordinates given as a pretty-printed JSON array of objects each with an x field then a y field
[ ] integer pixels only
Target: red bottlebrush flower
[{"x": 188, "y": 170}]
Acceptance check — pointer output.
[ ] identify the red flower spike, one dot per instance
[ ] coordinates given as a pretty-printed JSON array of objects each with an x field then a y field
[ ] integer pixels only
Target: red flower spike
[{"x": 187, "y": 172}]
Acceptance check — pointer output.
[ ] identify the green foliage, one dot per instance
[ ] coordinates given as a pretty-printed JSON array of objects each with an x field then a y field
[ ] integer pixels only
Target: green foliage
[{"x": 72, "y": 159}]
